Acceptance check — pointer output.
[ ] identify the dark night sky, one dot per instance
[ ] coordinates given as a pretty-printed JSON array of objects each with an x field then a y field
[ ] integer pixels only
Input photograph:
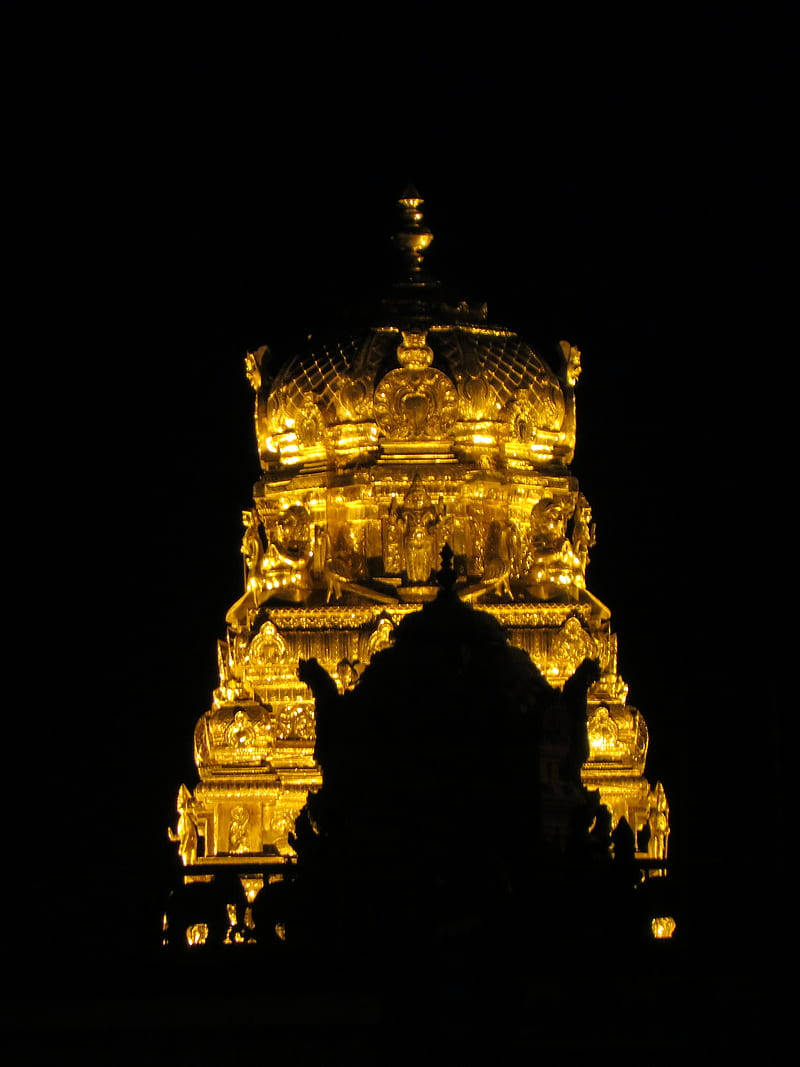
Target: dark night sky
[{"x": 185, "y": 195}]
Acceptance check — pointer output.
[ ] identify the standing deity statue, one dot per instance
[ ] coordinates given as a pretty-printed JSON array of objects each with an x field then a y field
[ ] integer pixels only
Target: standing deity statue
[
  {"x": 659, "y": 823},
  {"x": 417, "y": 519},
  {"x": 185, "y": 835}
]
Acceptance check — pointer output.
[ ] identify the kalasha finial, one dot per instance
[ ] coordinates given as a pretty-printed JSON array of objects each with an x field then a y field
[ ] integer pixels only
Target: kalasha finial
[
  {"x": 446, "y": 575},
  {"x": 413, "y": 237}
]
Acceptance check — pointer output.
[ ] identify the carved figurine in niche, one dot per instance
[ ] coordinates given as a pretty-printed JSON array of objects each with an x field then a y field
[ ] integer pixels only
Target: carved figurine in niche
[
  {"x": 186, "y": 832},
  {"x": 416, "y": 519},
  {"x": 239, "y": 829}
]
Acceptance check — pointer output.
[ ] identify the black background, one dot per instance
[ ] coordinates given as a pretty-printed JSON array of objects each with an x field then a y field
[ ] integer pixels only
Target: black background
[{"x": 185, "y": 191}]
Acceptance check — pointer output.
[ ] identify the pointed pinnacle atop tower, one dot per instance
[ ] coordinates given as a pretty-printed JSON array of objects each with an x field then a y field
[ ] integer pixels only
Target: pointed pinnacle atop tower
[{"x": 413, "y": 236}]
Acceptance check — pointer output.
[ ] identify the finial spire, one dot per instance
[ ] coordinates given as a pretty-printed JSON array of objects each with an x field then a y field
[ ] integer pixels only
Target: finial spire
[{"x": 413, "y": 236}]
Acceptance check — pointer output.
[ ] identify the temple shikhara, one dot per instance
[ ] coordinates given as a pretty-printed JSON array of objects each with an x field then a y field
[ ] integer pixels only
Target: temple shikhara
[{"x": 427, "y": 426}]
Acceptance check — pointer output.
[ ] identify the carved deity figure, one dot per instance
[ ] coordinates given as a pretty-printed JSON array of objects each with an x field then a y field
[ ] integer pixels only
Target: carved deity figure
[
  {"x": 659, "y": 823},
  {"x": 186, "y": 832},
  {"x": 238, "y": 829},
  {"x": 417, "y": 519}
]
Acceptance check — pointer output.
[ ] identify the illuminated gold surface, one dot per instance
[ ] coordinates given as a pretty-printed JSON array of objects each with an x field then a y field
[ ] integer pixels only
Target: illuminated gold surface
[
  {"x": 662, "y": 927},
  {"x": 375, "y": 451},
  {"x": 196, "y": 934}
]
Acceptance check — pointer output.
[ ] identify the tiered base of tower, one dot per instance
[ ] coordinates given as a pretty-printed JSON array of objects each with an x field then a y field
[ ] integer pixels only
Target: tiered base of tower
[{"x": 346, "y": 554}]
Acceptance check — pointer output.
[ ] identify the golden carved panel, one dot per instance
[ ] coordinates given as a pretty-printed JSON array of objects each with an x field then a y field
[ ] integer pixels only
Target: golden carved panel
[{"x": 415, "y": 404}]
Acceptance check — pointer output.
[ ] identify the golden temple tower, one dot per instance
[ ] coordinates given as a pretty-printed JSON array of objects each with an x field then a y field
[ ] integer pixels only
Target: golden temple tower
[{"x": 426, "y": 426}]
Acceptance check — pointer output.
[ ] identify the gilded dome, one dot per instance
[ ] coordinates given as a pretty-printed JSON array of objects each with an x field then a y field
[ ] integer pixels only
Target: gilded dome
[{"x": 421, "y": 379}]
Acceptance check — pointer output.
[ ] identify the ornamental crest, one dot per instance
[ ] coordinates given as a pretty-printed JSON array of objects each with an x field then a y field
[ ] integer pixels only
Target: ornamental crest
[
  {"x": 571, "y": 646},
  {"x": 415, "y": 404}
]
